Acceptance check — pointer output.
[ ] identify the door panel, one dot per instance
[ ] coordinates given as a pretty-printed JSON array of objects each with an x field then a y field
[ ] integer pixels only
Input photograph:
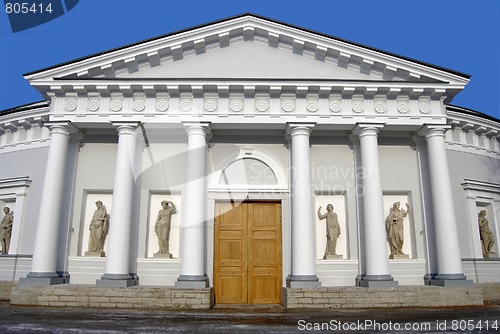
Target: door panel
[
  {"x": 229, "y": 249},
  {"x": 247, "y": 256}
]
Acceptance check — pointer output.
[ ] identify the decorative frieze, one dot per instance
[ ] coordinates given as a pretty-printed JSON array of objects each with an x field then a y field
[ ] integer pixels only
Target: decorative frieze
[
  {"x": 93, "y": 104},
  {"x": 262, "y": 105},
  {"x": 335, "y": 105},
  {"x": 139, "y": 104},
  {"x": 185, "y": 104},
  {"x": 358, "y": 105},
  {"x": 236, "y": 105},
  {"x": 403, "y": 106},
  {"x": 312, "y": 105},
  {"x": 162, "y": 104},
  {"x": 380, "y": 106},
  {"x": 116, "y": 104},
  {"x": 424, "y": 106},
  {"x": 288, "y": 105},
  {"x": 71, "y": 104}
]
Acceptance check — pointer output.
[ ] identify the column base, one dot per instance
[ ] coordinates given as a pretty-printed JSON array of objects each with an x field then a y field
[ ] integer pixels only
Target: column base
[
  {"x": 450, "y": 282},
  {"x": 428, "y": 278},
  {"x": 303, "y": 281},
  {"x": 43, "y": 279},
  {"x": 116, "y": 281},
  {"x": 378, "y": 281},
  {"x": 378, "y": 284},
  {"x": 192, "y": 282}
]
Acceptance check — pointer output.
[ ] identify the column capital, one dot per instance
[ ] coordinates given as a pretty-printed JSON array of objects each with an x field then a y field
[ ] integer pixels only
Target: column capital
[
  {"x": 63, "y": 128},
  {"x": 202, "y": 128},
  {"x": 304, "y": 129},
  {"x": 433, "y": 130},
  {"x": 125, "y": 127},
  {"x": 367, "y": 129}
]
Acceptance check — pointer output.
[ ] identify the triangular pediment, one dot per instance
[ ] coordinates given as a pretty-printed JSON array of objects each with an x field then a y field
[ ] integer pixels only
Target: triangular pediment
[
  {"x": 249, "y": 59},
  {"x": 249, "y": 46}
]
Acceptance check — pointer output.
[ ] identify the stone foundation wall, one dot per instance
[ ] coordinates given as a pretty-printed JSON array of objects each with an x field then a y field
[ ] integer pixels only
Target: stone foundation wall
[
  {"x": 5, "y": 289},
  {"x": 405, "y": 296},
  {"x": 491, "y": 291},
  {"x": 132, "y": 297}
]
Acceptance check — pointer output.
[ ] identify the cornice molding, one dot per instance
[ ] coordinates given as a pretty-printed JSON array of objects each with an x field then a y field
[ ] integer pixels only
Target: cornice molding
[{"x": 222, "y": 34}]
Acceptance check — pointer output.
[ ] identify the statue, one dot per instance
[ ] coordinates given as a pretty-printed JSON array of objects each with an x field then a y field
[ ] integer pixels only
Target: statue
[
  {"x": 6, "y": 230},
  {"x": 99, "y": 227},
  {"x": 162, "y": 228},
  {"x": 394, "y": 229},
  {"x": 332, "y": 232},
  {"x": 487, "y": 240}
]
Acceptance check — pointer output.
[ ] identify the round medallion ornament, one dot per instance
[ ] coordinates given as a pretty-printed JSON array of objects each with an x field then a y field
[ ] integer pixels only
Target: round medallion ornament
[
  {"x": 185, "y": 104},
  {"x": 424, "y": 107},
  {"x": 380, "y": 106},
  {"x": 403, "y": 107},
  {"x": 116, "y": 104},
  {"x": 210, "y": 104},
  {"x": 312, "y": 105},
  {"x": 139, "y": 104},
  {"x": 288, "y": 105},
  {"x": 236, "y": 105},
  {"x": 358, "y": 106},
  {"x": 262, "y": 105},
  {"x": 162, "y": 104},
  {"x": 93, "y": 104},
  {"x": 71, "y": 104},
  {"x": 335, "y": 105}
]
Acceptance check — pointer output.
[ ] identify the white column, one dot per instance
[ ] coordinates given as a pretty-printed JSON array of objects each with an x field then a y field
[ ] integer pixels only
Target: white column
[
  {"x": 376, "y": 259},
  {"x": 43, "y": 266},
  {"x": 193, "y": 217},
  {"x": 447, "y": 247},
  {"x": 303, "y": 273},
  {"x": 117, "y": 261}
]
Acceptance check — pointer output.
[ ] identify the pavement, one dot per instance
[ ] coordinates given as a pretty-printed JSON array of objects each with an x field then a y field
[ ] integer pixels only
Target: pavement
[{"x": 250, "y": 319}]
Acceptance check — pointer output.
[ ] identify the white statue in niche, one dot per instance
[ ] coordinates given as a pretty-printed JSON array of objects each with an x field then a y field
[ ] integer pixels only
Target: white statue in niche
[
  {"x": 99, "y": 227},
  {"x": 487, "y": 239},
  {"x": 162, "y": 228},
  {"x": 6, "y": 229},
  {"x": 332, "y": 232},
  {"x": 395, "y": 231}
]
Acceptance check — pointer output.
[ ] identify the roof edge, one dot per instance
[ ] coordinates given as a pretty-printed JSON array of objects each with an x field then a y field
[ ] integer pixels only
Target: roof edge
[
  {"x": 29, "y": 106},
  {"x": 249, "y": 14},
  {"x": 471, "y": 112}
]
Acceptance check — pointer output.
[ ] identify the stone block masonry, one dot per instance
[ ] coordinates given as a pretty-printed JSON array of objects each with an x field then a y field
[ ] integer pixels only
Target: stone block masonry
[
  {"x": 404, "y": 296},
  {"x": 145, "y": 297},
  {"x": 5, "y": 289}
]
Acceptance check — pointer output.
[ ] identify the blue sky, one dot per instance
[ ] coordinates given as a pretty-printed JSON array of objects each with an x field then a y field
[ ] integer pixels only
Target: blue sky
[{"x": 463, "y": 35}]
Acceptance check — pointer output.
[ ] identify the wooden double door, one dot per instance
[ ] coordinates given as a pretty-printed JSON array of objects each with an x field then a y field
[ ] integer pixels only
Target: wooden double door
[{"x": 247, "y": 253}]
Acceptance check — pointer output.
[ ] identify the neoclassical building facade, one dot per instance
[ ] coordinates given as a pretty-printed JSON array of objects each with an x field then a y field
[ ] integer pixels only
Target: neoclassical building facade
[{"x": 249, "y": 126}]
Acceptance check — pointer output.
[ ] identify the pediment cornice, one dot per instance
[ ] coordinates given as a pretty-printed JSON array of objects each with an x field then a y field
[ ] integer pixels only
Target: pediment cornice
[{"x": 249, "y": 28}]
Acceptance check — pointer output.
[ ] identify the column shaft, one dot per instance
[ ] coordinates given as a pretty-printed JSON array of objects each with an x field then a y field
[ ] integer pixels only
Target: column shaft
[
  {"x": 447, "y": 246},
  {"x": 43, "y": 267},
  {"x": 117, "y": 261},
  {"x": 194, "y": 198},
  {"x": 303, "y": 271},
  {"x": 376, "y": 259}
]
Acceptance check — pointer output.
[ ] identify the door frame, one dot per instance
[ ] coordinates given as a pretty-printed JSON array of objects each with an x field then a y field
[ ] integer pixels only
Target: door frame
[{"x": 281, "y": 197}]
